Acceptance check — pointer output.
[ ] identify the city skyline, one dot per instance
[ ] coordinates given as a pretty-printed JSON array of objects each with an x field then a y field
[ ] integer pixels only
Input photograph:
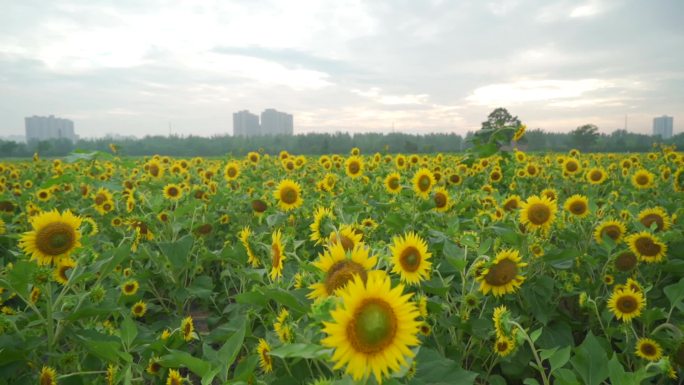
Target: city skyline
[{"x": 435, "y": 66}]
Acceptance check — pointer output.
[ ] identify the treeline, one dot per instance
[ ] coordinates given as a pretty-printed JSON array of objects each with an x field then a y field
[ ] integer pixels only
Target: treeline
[{"x": 316, "y": 144}]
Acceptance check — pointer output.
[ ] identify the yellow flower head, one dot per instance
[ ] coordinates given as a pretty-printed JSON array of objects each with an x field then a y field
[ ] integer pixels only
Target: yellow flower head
[{"x": 54, "y": 237}]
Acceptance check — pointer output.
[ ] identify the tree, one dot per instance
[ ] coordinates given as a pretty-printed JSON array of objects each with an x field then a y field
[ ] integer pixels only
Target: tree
[
  {"x": 584, "y": 137},
  {"x": 500, "y": 117}
]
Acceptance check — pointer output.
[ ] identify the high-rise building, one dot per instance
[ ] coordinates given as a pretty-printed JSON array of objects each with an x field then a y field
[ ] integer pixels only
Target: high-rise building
[
  {"x": 663, "y": 126},
  {"x": 49, "y": 128},
  {"x": 246, "y": 123},
  {"x": 276, "y": 123}
]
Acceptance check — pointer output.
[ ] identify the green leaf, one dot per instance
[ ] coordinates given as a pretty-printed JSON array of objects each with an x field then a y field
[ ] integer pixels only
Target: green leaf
[
  {"x": 129, "y": 331},
  {"x": 201, "y": 287},
  {"x": 231, "y": 348},
  {"x": 618, "y": 375},
  {"x": 289, "y": 299},
  {"x": 530, "y": 381},
  {"x": 559, "y": 358},
  {"x": 177, "y": 252},
  {"x": 534, "y": 336},
  {"x": 565, "y": 377},
  {"x": 246, "y": 367},
  {"x": 589, "y": 361},
  {"x": 435, "y": 369},
  {"x": 20, "y": 277},
  {"x": 178, "y": 358},
  {"x": 675, "y": 293},
  {"x": 308, "y": 351}
]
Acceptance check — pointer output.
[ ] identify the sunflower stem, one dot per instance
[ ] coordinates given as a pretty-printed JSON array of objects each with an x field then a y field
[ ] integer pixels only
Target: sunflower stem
[
  {"x": 50, "y": 321},
  {"x": 540, "y": 367}
]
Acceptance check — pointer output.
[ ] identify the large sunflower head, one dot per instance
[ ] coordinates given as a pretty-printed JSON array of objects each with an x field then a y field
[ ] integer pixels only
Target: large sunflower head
[
  {"x": 54, "y": 237},
  {"x": 577, "y": 205},
  {"x": 173, "y": 192},
  {"x": 614, "y": 230},
  {"x": 423, "y": 181},
  {"x": 372, "y": 328},
  {"x": 502, "y": 276},
  {"x": 537, "y": 213},
  {"x": 656, "y": 215},
  {"x": 442, "y": 200},
  {"x": 571, "y": 166},
  {"x": 393, "y": 183},
  {"x": 648, "y": 349},
  {"x": 289, "y": 194},
  {"x": 231, "y": 171},
  {"x": 625, "y": 261},
  {"x": 643, "y": 179},
  {"x": 596, "y": 175},
  {"x": 410, "y": 258},
  {"x": 277, "y": 256},
  {"x": 319, "y": 221},
  {"x": 340, "y": 267},
  {"x": 626, "y": 304},
  {"x": 353, "y": 166},
  {"x": 647, "y": 247},
  {"x": 511, "y": 203}
]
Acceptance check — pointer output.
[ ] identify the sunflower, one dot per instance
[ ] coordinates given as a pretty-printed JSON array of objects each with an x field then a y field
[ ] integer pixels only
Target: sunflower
[
  {"x": 231, "y": 171},
  {"x": 139, "y": 309},
  {"x": 353, "y": 166},
  {"x": 340, "y": 266},
  {"x": 393, "y": 183},
  {"x": 504, "y": 346},
  {"x": 44, "y": 195},
  {"x": 656, "y": 215},
  {"x": 648, "y": 349},
  {"x": 647, "y": 247},
  {"x": 174, "y": 378},
  {"x": 519, "y": 133},
  {"x": 259, "y": 207},
  {"x": 501, "y": 277},
  {"x": 625, "y": 261},
  {"x": 550, "y": 193},
  {"x": 54, "y": 236},
  {"x": 410, "y": 258},
  {"x": 153, "y": 366},
  {"x": 173, "y": 192},
  {"x": 130, "y": 287},
  {"x": 187, "y": 328},
  {"x": 455, "y": 179},
  {"x": 277, "y": 256},
  {"x": 571, "y": 166},
  {"x": 372, "y": 328},
  {"x": 2, "y": 227},
  {"x": 244, "y": 235},
  {"x": 253, "y": 157},
  {"x": 400, "y": 162},
  {"x": 346, "y": 236},
  {"x": 678, "y": 180},
  {"x": 35, "y": 294},
  {"x": 288, "y": 194},
  {"x": 48, "y": 376},
  {"x": 511, "y": 203},
  {"x": 643, "y": 179},
  {"x": 265, "y": 361},
  {"x": 499, "y": 316},
  {"x": 320, "y": 215},
  {"x": 577, "y": 205},
  {"x": 423, "y": 181},
  {"x": 441, "y": 199},
  {"x": 614, "y": 230},
  {"x": 626, "y": 304},
  {"x": 596, "y": 175},
  {"x": 537, "y": 213},
  {"x": 60, "y": 272}
]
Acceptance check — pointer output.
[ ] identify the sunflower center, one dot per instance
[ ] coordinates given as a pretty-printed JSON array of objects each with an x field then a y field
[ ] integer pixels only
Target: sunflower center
[
  {"x": 502, "y": 346},
  {"x": 578, "y": 207},
  {"x": 627, "y": 304},
  {"x": 173, "y": 191},
  {"x": 154, "y": 170},
  {"x": 275, "y": 249},
  {"x": 100, "y": 199},
  {"x": 495, "y": 176},
  {"x": 502, "y": 273},
  {"x": 63, "y": 272},
  {"x": 373, "y": 326},
  {"x": 647, "y": 247},
  {"x": 571, "y": 166},
  {"x": 440, "y": 200},
  {"x": 354, "y": 167},
  {"x": 531, "y": 170},
  {"x": 394, "y": 183},
  {"x": 612, "y": 231},
  {"x": 424, "y": 183},
  {"x": 649, "y": 219},
  {"x": 288, "y": 195},
  {"x": 259, "y": 206},
  {"x": 455, "y": 179},
  {"x": 46, "y": 379},
  {"x": 232, "y": 172},
  {"x": 642, "y": 180},
  {"x": 342, "y": 272},
  {"x": 648, "y": 349},
  {"x": 410, "y": 259},
  {"x": 55, "y": 238},
  {"x": 625, "y": 261},
  {"x": 539, "y": 213},
  {"x": 511, "y": 205},
  {"x": 595, "y": 176}
]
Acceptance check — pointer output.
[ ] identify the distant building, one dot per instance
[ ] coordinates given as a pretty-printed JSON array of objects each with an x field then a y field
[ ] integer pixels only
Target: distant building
[
  {"x": 663, "y": 126},
  {"x": 49, "y": 128},
  {"x": 246, "y": 123},
  {"x": 272, "y": 123},
  {"x": 276, "y": 123}
]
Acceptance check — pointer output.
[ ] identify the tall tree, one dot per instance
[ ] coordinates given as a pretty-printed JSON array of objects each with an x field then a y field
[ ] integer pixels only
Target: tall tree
[
  {"x": 500, "y": 117},
  {"x": 584, "y": 137}
]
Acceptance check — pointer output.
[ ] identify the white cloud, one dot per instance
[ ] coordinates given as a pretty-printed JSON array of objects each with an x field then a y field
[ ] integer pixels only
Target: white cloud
[{"x": 525, "y": 91}]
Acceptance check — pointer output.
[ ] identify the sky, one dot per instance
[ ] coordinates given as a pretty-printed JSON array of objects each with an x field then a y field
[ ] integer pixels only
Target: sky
[{"x": 156, "y": 67}]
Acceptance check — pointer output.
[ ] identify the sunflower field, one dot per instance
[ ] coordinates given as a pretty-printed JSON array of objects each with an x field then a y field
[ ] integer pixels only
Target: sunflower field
[{"x": 485, "y": 267}]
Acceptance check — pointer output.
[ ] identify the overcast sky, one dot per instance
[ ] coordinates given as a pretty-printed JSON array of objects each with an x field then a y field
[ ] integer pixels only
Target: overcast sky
[{"x": 137, "y": 67}]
